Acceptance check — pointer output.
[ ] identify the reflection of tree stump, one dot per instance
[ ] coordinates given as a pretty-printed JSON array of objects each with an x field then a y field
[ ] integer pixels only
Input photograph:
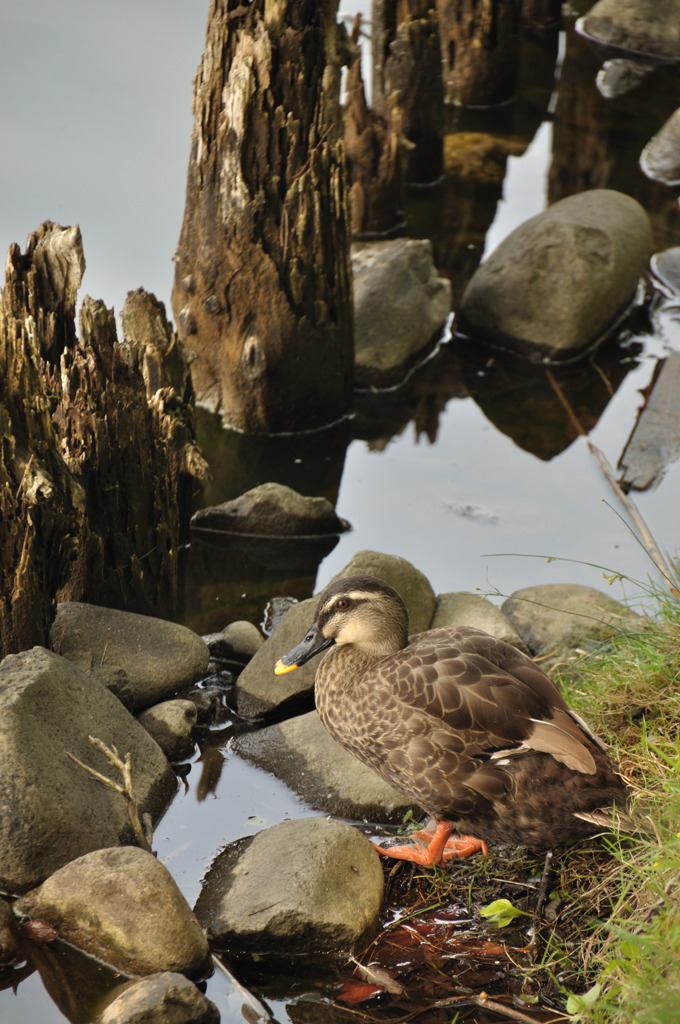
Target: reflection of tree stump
[
  {"x": 263, "y": 283},
  {"x": 407, "y": 80},
  {"x": 480, "y": 49},
  {"x": 373, "y": 158},
  {"x": 94, "y": 471}
]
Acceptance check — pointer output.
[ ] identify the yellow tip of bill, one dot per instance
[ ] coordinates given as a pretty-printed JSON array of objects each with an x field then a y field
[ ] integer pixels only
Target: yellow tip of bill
[{"x": 280, "y": 668}]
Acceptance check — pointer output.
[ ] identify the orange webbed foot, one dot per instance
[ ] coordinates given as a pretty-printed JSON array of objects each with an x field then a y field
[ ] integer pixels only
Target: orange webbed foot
[{"x": 435, "y": 846}]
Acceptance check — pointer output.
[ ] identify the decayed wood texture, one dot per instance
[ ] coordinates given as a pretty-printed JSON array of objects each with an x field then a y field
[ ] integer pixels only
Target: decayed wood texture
[
  {"x": 262, "y": 287},
  {"x": 373, "y": 157},
  {"x": 480, "y": 49},
  {"x": 407, "y": 80},
  {"x": 97, "y": 445}
]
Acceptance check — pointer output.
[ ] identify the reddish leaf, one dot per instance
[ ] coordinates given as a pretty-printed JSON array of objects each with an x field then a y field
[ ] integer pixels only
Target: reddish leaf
[
  {"x": 352, "y": 991},
  {"x": 39, "y": 931}
]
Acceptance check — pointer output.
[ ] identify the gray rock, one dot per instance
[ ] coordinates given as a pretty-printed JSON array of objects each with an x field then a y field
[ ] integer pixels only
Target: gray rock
[
  {"x": 414, "y": 587},
  {"x": 159, "y": 658},
  {"x": 462, "y": 609},
  {"x": 271, "y": 510},
  {"x": 311, "y": 886},
  {"x": 258, "y": 691},
  {"x": 655, "y": 440},
  {"x": 171, "y": 725},
  {"x": 660, "y": 159},
  {"x": 53, "y": 810},
  {"x": 560, "y": 281},
  {"x": 666, "y": 269},
  {"x": 243, "y": 638},
  {"x": 558, "y": 618},
  {"x": 400, "y": 304},
  {"x": 301, "y": 753},
  {"x": 650, "y": 28},
  {"x": 122, "y": 906},
  {"x": 166, "y": 998}
]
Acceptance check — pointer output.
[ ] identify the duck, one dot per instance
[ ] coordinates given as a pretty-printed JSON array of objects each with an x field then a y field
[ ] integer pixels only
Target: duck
[{"x": 465, "y": 725}]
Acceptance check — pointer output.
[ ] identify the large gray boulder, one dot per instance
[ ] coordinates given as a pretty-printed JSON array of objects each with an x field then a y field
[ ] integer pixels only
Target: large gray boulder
[
  {"x": 271, "y": 509},
  {"x": 122, "y": 906},
  {"x": 400, "y": 304},
  {"x": 650, "y": 28},
  {"x": 459, "y": 608},
  {"x": 142, "y": 659},
  {"x": 311, "y": 886},
  {"x": 560, "y": 281},
  {"x": 303, "y": 754},
  {"x": 259, "y": 692},
  {"x": 53, "y": 810},
  {"x": 558, "y": 618}
]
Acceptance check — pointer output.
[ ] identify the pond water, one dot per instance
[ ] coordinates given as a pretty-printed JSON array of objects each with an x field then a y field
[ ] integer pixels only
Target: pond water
[{"x": 470, "y": 471}]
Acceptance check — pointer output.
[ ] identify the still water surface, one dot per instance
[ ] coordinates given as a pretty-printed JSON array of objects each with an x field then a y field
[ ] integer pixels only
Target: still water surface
[{"x": 468, "y": 473}]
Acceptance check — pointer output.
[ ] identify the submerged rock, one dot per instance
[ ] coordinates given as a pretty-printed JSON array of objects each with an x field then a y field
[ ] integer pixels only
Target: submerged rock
[
  {"x": 271, "y": 510},
  {"x": 54, "y": 810},
  {"x": 122, "y": 906},
  {"x": 303, "y": 754},
  {"x": 650, "y": 28},
  {"x": 560, "y": 281},
  {"x": 400, "y": 304},
  {"x": 311, "y": 886},
  {"x": 165, "y": 998},
  {"x": 154, "y": 657},
  {"x": 559, "y": 617}
]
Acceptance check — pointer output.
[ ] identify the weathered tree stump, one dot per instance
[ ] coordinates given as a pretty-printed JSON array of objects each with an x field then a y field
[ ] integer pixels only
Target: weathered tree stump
[
  {"x": 407, "y": 80},
  {"x": 97, "y": 446},
  {"x": 263, "y": 283},
  {"x": 373, "y": 150}
]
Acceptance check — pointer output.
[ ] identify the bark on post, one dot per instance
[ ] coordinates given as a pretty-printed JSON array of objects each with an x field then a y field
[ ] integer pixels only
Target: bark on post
[
  {"x": 94, "y": 469},
  {"x": 262, "y": 286},
  {"x": 407, "y": 80}
]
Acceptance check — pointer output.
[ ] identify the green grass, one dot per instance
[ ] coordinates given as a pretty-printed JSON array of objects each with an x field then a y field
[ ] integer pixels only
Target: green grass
[{"x": 630, "y": 692}]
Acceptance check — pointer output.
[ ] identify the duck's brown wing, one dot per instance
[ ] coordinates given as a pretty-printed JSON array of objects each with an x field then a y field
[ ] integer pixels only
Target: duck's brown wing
[{"x": 495, "y": 700}]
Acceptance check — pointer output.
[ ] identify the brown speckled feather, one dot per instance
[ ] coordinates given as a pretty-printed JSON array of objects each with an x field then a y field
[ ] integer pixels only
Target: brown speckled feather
[{"x": 464, "y": 724}]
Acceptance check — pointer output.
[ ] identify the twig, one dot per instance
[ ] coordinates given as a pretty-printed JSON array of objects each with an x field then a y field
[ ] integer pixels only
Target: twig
[
  {"x": 490, "y": 1004},
  {"x": 542, "y": 893},
  {"x": 253, "y": 1002},
  {"x": 631, "y": 508},
  {"x": 124, "y": 788}
]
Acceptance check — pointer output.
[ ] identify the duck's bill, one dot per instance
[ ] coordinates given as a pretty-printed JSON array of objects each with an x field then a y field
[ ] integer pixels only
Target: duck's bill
[{"x": 313, "y": 643}]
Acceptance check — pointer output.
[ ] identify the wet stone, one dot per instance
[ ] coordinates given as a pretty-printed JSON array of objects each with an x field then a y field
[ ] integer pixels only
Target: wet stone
[
  {"x": 312, "y": 886},
  {"x": 271, "y": 510},
  {"x": 158, "y": 657},
  {"x": 660, "y": 159},
  {"x": 303, "y": 754},
  {"x": 649, "y": 28},
  {"x": 171, "y": 725},
  {"x": 55, "y": 811},
  {"x": 122, "y": 906}
]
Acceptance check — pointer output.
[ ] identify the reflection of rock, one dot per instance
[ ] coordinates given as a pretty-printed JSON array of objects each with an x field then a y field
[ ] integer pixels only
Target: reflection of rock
[
  {"x": 558, "y": 282},
  {"x": 400, "y": 304},
  {"x": 655, "y": 440},
  {"x": 480, "y": 157},
  {"x": 520, "y": 401},
  {"x": 163, "y": 998},
  {"x": 647, "y": 27},
  {"x": 660, "y": 158}
]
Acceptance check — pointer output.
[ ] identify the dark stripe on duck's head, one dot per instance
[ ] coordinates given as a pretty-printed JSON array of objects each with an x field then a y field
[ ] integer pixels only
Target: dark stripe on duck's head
[{"x": 365, "y": 611}]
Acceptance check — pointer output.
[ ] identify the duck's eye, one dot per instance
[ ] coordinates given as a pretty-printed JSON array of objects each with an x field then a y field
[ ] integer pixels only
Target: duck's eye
[{"x": 342, "y": 603}]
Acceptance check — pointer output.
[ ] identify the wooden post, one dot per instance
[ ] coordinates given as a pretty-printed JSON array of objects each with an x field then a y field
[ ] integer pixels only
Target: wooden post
[
  {"x": 480, "y": 49},
  {"x": 262, "y": 288}
]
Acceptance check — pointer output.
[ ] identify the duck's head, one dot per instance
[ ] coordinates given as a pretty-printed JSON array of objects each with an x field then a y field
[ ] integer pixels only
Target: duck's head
[{"x": 359, "y": 610}]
